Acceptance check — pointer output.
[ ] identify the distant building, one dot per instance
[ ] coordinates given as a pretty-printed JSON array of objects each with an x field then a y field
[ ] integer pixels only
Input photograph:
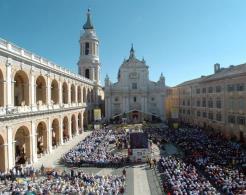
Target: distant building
[
  {"x": 134, "y": 97},
  {"x": 216, "y": 102}
]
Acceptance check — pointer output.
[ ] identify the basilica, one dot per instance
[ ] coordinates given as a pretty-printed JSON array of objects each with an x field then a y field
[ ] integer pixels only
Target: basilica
[{"x": 134, "y": 97}]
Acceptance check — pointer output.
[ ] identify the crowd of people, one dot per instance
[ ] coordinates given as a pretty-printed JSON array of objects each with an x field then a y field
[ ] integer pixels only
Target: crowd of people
[
  {"x": 221, "y": 161},
  {"x": 40, "y": 181},
  {"x": 98, "y": 149},
  {"x": 183, "y": 178}
]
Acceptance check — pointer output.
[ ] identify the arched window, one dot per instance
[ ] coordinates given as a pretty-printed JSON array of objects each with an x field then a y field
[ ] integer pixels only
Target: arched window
[
  {"x": 87, "y": 48},
  {"x": 87, "y": 73}
]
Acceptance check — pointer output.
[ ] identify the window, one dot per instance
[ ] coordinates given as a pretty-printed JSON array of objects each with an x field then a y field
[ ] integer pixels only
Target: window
[
  {"x": 204, "y": 90},
  {"x": 210, "y": 90},
  {"x": 210, "y": 103},
  {"x": 231, "y": 119},
  {"x": 198, "y": 103},
  {"x": 134, "y": 86},
  {"x": 87, "y": 48},
  {"x": 203, "y": 102},
  {"x": 188, "y": 112},
  {"x": 210, "y": 116},
  {"x": 198, "y": 113},
  {"x": 230, "y": 88},
  {"x": 87, "y": 73},
  {"x": 183, "y": 103},
  {"x": 198, "y": 91},
  {"x": 116, "y": 99},
  {"x": 240, "y": 87},
  {"x": 204, "y": 114},
  {"x": 218, "y": 103},
  {"x": 218, "y": 116},
  {"x": 241, "y": 104},
  {"x": 188, "y": 102},
  {"x": 231, "y": 103},
  {"x": 218, "y": 89},
  {"x": 241, "y": 120},
  {"x": 152, "y": 99},
  {"x": 134, "y": 99}
]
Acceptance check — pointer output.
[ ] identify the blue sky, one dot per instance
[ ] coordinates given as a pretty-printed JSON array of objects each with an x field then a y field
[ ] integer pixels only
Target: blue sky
[{"x": 182, "y": 39}]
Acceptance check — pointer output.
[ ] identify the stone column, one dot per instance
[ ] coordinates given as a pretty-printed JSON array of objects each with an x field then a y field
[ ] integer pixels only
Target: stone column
[
  {"x": 82, "y": 121},
  {"x": 48, "y": 88},
  {"x": 60, "y": 92},
  {"x": 76, "y": 94},
  {"x": 33, "y": 138},
  {"x": 69, "y": 127},
  {"x": 33, "y": 91},
  {"x": 93, "y": 74},
  {"x": 49, "y": 134},
  {"x": 9, "y": 87},
  {"x": 11, "y": 146},
  {"x": 60, "y": 130},
  {"x": 76, "y": 125},
  {"x": 69, "y": 93}
]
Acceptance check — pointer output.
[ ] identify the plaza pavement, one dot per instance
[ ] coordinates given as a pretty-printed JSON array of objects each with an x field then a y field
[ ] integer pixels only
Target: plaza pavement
[
  {"x": 52, "y": 159},
  {"x": 141, "y": 180}
]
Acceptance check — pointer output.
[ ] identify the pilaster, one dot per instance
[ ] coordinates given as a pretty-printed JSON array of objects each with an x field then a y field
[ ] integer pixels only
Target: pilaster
[
  {"x": 33, "y": 138},
  {"x": 33, "y": 91},
  {"x": 48, "y": 88},
  {"x": 49, "y": 134},
  {"x": 11, "y": 146},
  {"x": 9, "y": 87}
]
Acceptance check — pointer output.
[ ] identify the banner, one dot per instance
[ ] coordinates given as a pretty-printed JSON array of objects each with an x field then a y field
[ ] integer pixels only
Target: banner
[{"x": 97, "y": 114}]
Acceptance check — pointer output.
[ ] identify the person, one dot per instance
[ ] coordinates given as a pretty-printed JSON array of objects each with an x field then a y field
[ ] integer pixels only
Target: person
[
  {"x": 42, "y": 169},
  {"x": 154, "y": 162},
  {"x": 29, "y": 191},
  {"x": 124, "y": 172}
]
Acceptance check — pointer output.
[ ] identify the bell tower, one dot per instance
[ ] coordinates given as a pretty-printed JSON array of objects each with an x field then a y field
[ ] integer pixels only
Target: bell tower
[{"x": 89, "y": 64}]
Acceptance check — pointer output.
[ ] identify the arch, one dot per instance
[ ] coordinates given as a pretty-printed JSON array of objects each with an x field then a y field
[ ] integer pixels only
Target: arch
[
  {"x": 40, "y": 90},
  {"x": 42, "y": 138},
  {"x": 87, "y": 73},
  {"x": 84, "y": 95},
  {"x": 65, "y": 130},
  {"x": 22, "y": 145},
  {"x": 55, "y": 92},
  {"x": 2, "y": 154},
  {"x": 1, "y": 89},
  {"x": 55, "y": 132},
  {"x": 73, "y": 125},
  {"x": 72, "y": 93},
  {"x": 21, "y": 89},
  {"x": 79, "y": 94},
  {"x": 64, "y": 93}
]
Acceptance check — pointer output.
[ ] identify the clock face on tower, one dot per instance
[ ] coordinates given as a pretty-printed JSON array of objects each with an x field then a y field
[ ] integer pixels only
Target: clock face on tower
[{"x": 133, "y": 75}]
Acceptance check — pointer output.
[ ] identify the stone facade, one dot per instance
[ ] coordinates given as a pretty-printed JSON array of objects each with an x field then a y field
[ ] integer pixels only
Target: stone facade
[
  {"x": 216, "y": 102},
  {"x": 134, "y": 96},
  {"x": 42, "y": 105}
]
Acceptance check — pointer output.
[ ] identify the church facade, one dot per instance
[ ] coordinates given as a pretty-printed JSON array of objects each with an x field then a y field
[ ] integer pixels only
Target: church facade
[{"x": 134, "y": 97}]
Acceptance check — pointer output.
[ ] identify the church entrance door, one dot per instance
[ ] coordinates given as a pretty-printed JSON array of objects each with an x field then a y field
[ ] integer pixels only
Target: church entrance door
[{"x": 135, "y": 116}]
